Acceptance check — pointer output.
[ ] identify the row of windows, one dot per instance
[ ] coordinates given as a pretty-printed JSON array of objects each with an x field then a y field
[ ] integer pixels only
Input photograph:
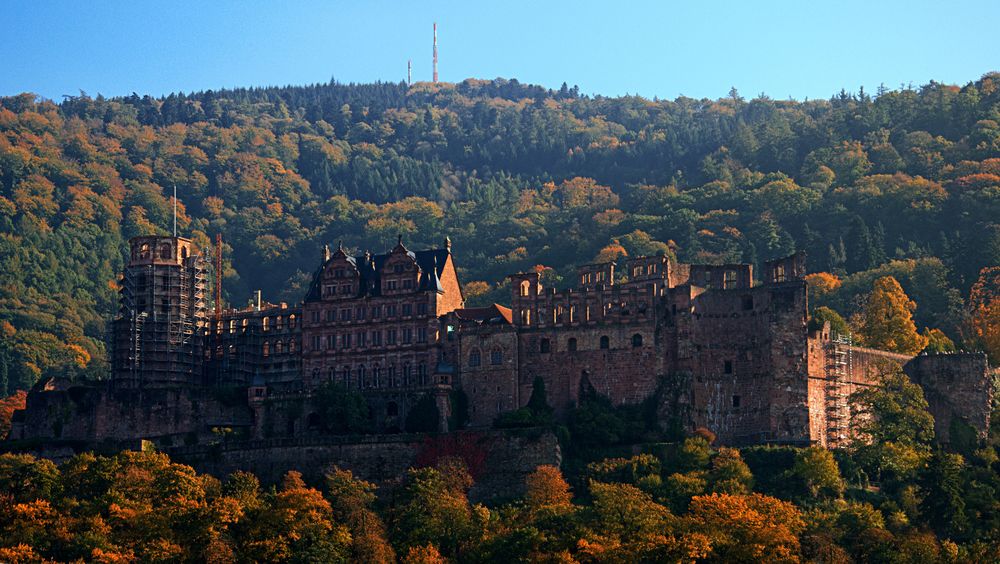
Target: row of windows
[
  {"x": 560, "y": 314},
  {"x": 362, "y": 313},
  {"x": 166, "y": 251},
  {"x": 361, "y": 339},
  {"x": 331, "y": 290},
  {"x": 475, "y": 357},
  {"x": 361, "y": 377},
  {"x": 544, "y": 345}
]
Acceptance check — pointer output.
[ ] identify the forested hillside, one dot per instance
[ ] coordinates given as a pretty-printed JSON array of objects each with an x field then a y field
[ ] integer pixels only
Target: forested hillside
[{"x": 903, "y": 183}]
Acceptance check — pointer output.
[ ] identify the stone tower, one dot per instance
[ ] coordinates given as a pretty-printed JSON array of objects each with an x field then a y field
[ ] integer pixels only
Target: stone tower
[{"x": 157, "y": 334}]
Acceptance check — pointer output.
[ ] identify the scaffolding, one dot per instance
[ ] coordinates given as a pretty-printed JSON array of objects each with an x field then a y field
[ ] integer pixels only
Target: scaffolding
[
  {"x": 839, "y": 368},
  {"x": 158, "y": 331}
]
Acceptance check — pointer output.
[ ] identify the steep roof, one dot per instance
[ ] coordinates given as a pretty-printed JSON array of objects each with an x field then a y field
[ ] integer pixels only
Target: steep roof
[
  {"x": 430, "y": 262},
  {"x": 495, "y": 313}
]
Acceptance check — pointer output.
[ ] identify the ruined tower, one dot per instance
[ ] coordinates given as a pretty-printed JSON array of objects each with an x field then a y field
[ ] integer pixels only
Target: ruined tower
[{"x": 157, "y": 334}]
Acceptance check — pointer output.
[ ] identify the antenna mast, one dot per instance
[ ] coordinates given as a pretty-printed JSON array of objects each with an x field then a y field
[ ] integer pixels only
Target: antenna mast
[
  {"x": 435, "y": 52},
  {"x": 175, "y": 210},
  {"x": 409, "y": 72}
]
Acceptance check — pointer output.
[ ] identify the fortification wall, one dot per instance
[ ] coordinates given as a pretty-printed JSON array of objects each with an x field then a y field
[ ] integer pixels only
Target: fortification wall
[
  {"x": 498, "y": 461},
  {"x": 99, "y": 413},
  {"x": 956, "y": 386}
]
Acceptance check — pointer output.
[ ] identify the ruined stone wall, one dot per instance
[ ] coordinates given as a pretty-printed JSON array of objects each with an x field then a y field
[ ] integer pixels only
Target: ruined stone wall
[
  {"x": 746, "y": 353},
  {"x": 498, "y": 461},
  {"x": 488, "y": 363},
  {"x": 955, "y": 385},
  {"x": 626, "y": 371},
  {"x": 100, "y": 413}
]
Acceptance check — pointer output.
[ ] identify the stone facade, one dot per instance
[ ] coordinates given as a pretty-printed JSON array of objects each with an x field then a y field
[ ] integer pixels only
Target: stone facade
[{"x": 709, "y": 344}]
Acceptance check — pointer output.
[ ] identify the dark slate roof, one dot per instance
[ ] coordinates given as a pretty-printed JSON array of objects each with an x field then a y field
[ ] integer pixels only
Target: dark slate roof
[
  {"x": 430, "y": 261},
  {"x": 495, "y": 313}
]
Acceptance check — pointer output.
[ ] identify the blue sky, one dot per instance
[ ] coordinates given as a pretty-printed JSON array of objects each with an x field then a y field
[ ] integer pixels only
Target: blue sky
[{"x": 799, "y": 49}]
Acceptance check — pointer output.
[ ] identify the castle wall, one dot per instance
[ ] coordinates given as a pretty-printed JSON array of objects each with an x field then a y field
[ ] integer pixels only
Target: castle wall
[
  {"x": 99, "y": 413},
  {"x": 956, "y": 386},
  {"x": 746, "y": 352},
  {"x": 498, "y": 461}
]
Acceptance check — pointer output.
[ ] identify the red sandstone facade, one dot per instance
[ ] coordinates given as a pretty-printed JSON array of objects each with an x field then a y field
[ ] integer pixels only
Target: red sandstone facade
[{"x": 713, "y": 346}]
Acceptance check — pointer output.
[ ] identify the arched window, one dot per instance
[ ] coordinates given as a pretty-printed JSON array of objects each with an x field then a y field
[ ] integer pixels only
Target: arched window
[
  {"x": 331, "y": 374},
  {"x": 605, "y": 342},
  {"x": 184, "y": 252},
  {"x": 391, "y": 376},
  {"x": 496, "y": 356},
  {"x": 525, "y": 286},
  {"x": 291, "y": 346},
  {"x": 636, "y": 340},
  {"x": 406, "y": 376},
  {"x": 144, "y": 251},
  {"x": 278, "y": 347},
  {"x": 571, "y": 344},
  {"x": 361, "y": 372},
  {"x": 544, "y": 346},
  {"x": 474, "y": 358},
  {"x": 165, "y": 251},
  {"x": 377, "y": 375},
  {"x": 267, "y": 349},
  {"x": 291, "y": 321},
  {"x": 345, "y": 375}
]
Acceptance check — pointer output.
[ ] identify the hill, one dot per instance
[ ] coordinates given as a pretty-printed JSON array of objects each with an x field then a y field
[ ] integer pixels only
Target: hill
[{"x": 906, "y": 182}]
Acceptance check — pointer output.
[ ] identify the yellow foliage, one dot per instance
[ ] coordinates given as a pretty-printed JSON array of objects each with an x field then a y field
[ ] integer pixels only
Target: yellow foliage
[{"x": 887, "y": 319}]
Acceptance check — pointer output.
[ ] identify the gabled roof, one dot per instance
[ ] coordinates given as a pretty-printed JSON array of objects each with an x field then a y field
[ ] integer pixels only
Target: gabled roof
[
  {"x": 495, "y": 313},
  {"x": 430, "y": 262}
]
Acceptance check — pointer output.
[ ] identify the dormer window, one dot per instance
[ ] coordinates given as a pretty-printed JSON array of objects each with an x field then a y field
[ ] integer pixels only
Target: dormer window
[
  {"x": 339, "y": 273},
  {"x": 397, "y": 268}
]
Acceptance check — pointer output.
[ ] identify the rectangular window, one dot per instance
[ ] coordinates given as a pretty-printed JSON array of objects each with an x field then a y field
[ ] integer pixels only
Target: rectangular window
[
  {"x": 329, "y": 290},
  {"x": 376, "y": 312},
  {"x": 728, "y": 367},
  {"x": 736, "y": 401},
  {"x": 421, "y": 334},
  {"x": 315, "y": 316},
  {"x": 407, "y": 310},
  {"x": 407, "y": 335},
  {"x": 315, "y": 342},
  {"x": 421, "y": 309},
  {"x": 330, "y": 315},
  {"x": 390, "y": 336},
  {"x": 729, "y": 279},
  {"x": 376, "y": 338},
  {"x": 407, "y": 284},
  {"x": 390, "y": 311},
  {"x": 345, "y": 290},
  {"x": 359, "y": 313},
  {"x": 362, "y": 339},
  {"x": 345, "y": 315},
  {"x": 345, "y": 341},
  {"x": 391, "y": 285},
  {"x": 331, "y": 341}
]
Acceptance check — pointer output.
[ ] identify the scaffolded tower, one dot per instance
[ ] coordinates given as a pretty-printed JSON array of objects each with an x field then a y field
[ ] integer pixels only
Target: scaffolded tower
[{"x": 163, "y": 313}]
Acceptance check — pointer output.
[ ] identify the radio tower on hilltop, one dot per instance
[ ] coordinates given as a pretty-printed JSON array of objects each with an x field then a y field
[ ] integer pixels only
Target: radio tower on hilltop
[
  {"x": 435, "y": 52},
  {"x": 409, "y": 72}
]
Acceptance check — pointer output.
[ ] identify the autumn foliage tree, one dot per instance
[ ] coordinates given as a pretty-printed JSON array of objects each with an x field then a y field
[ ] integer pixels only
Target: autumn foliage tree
[
  {"x": 984, "y": 312},
  {"x": 886, "y": 322}
]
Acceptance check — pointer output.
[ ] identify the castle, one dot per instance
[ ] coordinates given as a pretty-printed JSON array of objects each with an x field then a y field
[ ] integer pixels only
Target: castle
[{"x": 711, "y": 345}]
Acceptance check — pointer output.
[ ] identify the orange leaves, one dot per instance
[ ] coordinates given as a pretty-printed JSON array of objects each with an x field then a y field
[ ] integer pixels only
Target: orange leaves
[
  {"x": 547, "y": 487},
  {"x": 984, "y": 312},
  {"x": 887, "y": 319},
  {"x": 822, "y": 283}
]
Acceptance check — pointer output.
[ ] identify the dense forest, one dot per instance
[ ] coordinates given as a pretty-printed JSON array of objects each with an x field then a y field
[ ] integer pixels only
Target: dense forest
[
  {"x": 890, "y": 498},
  {"x": 900, "y": 183}
]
